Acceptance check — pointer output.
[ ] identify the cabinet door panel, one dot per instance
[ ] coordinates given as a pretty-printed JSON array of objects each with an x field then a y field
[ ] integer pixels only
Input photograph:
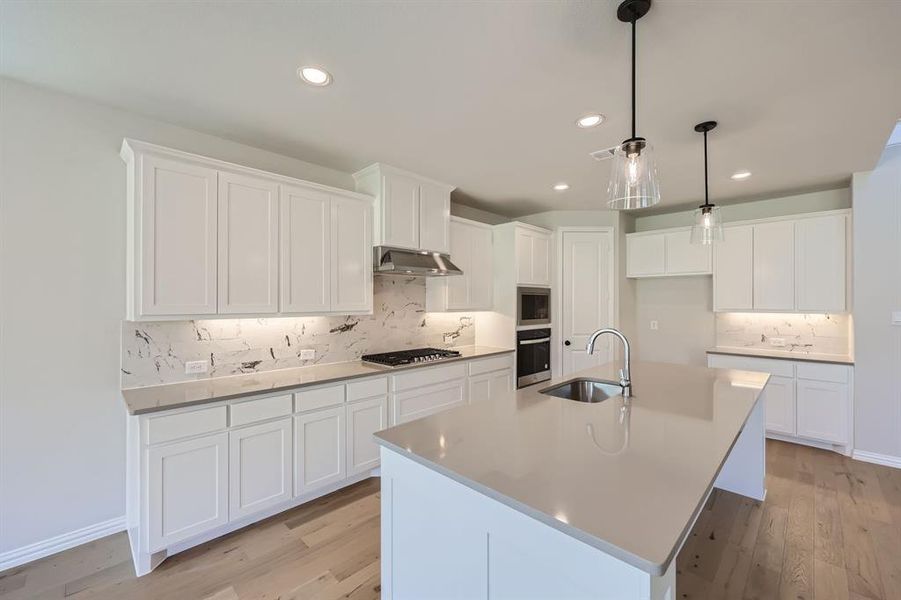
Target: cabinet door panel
[
  {"x": 351, "y": 269},
  {"x": 188, "y": 489},
  {"x": 248, "y": 244},
  {"x": 305, "y": 250},
  {"x": 774, "y": 266},
  {"x": 318, "y": 449},
  {"x": 364, "y": 418},
  {"x": 461, "y": 251},
  {"x": 490, "y": 386},
  {"x": 434, "y": 215},
  {"x": 820, "y": 264},
  {"x": 523, "y": 243},
  {"x": 645, "y": 255},
  {"x": 481, "y": 269},
  {"x": 178, "y": 252},
  {"x": 259, "y": 467},
  {"x": 541, "y": 260},
  {"x": 684, "y": 257},
  {"x": 779, "y": 396},
  {"x": 733, "y": 267},
  {"x": 400, "y": 211},
  {"x": 823, "y": 411}
]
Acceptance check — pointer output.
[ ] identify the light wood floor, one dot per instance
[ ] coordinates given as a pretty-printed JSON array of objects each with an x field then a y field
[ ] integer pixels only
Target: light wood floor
[{"x": 830, "y": 529}]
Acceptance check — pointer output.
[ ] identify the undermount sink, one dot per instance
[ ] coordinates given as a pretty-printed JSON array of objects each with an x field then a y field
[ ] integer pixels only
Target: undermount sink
[{"x": 585, "y": 390}]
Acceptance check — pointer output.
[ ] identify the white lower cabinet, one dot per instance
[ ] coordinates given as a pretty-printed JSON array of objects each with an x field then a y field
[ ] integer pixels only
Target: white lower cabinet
[
  {"x": 808, "y": 402},
  {"x": 779, "y": 402},
  {"x": 188, "y": 489},
  {"x": 823, "y": 408},
  {"x": 259, "y": 467},
  {"x": 198, "y": 473},
  {"x": 318, "y": 449},
  {"x": 364, "y": 418}
]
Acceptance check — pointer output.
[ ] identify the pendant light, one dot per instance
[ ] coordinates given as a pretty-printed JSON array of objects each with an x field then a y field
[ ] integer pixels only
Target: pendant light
[
  {"x": 633, "y": 181},
  {"x": 708, "y": 225}
]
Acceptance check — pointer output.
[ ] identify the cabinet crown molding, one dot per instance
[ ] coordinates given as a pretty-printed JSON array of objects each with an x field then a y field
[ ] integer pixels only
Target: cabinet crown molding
[{"x": 385, "y": 168}]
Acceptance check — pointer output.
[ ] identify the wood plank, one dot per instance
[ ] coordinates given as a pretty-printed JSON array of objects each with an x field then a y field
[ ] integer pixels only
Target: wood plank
[
  {"x": 831, "y": 582},
  {"x": 766, "y": 563}
]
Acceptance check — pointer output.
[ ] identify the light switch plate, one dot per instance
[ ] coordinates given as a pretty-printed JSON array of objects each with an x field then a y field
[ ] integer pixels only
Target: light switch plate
[
  {"x": 778, "y": 342},
  {"x": 193, "y": 367},
  {"x": 655, "y": 325},
  {"x": 307, "y": 354},
  {"x": 896, "y": 317}
]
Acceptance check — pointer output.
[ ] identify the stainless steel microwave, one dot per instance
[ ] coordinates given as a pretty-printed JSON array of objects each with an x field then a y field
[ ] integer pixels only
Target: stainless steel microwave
[{"x": 533, "y": 306}]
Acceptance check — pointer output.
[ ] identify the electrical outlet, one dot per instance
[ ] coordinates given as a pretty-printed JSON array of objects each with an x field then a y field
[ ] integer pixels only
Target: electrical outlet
[
  {"x": 778, "y": 342},
  {"x": 192, "y": 367},
  {"x": 308, "y": 354},
  {"x": 654, "y": 325},
  {"x": 449, "y": 338}
]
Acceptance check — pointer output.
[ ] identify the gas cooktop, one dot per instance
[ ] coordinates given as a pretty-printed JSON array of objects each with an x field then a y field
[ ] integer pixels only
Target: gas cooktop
[{"x": 409, "y": 357}]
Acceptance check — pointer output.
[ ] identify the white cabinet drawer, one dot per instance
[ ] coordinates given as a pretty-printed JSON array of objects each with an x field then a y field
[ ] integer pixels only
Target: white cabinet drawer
[
  {"x": 259, "y": 409},
  {"x": 186, "y": 424},
  {"x": 486, "y": 365},
  {"x": 781, "y": 368},
  {"x": 319, "y": 398},
  {"x": 367, "y": 388},
  {"x": 823, "y": 372},
  {"x": 421, "y": 402},
  {"x": 427, "y": 376}
]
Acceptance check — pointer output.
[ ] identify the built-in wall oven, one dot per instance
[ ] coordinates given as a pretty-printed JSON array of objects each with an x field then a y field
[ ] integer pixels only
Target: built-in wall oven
[
  {"x": 533, "y": 356},
  {"x": 533, "y": 306}
]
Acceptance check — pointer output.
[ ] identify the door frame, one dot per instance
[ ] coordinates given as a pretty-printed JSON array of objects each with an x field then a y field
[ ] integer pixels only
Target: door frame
[{"x": 557, "y": 288}]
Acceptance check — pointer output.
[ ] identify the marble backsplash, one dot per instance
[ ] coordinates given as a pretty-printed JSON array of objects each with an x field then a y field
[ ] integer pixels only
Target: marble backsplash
[
  {"x": 156, "y": 352},
  {"x": 803, "y": 333}
]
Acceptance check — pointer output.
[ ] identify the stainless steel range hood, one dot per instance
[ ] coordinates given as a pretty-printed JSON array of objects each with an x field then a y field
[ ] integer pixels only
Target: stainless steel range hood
[{"x": 396, "y": 261}]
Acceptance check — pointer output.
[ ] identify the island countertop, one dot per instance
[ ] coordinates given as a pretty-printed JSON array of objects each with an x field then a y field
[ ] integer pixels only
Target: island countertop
[
  {"x": 213, "y": 389},
  {"x": 627, "y": 477}
]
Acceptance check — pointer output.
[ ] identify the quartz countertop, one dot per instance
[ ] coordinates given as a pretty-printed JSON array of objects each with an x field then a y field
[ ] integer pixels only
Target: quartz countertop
[
  {"x": 628, "y": 478},
  {"x": 839, "y": 359},
  {"x": 187, "y": 393}
]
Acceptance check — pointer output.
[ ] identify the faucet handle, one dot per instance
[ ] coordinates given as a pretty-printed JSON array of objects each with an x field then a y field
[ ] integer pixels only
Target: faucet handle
[{"x": 622, "y": 375}]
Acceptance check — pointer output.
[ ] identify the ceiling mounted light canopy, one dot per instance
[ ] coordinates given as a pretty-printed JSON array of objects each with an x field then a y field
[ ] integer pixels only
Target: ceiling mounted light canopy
[
  {"x": 708, "y": 223},
  {"x": 633, "y": 180}
]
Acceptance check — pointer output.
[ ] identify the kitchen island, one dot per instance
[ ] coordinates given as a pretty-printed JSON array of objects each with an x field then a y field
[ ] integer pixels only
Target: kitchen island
[{"x": 536, "y": 496}]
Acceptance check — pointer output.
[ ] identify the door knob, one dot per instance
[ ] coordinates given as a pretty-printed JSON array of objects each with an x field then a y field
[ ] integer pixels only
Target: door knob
[{"x": 567, "y": 343}]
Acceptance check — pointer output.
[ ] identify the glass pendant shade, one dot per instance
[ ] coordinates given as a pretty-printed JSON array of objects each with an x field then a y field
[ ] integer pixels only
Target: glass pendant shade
[
  {"x": 633, "y": 179},
  {"x": 708, "y": 225}
]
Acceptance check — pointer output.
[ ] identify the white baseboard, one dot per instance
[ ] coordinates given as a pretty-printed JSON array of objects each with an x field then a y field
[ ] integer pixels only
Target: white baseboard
[
  {"x": 886, "y": 460},
  {"x": 25, "y": 554}
]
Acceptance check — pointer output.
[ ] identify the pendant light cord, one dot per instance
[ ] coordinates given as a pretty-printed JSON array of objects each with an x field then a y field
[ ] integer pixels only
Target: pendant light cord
[
  {"x": 633, "y": 77},
  {"x": 706, "y": 193}
]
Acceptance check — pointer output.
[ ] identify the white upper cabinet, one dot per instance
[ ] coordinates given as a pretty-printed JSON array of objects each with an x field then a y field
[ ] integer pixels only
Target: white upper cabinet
[
  {"x": 796, "y": 264},
  {"x": 434, "y": 217},
  {"x": 206, "y": 237},
  {"x": 305, "y": 250},
  {"x": 533, "y": 256},
  {"x": 173, "y": 216},
  {"x": 248, "y": 245},
  {"x": 411, "y": 211},
  {"x": 667, "y": 252},
  {"x": 471, "y": 249},
  {"x": 351, "y": 250},
  {"x": 733, "y": 277},
  {"x": 820, "y": 259},
  {"x": 774, "y": 266}
]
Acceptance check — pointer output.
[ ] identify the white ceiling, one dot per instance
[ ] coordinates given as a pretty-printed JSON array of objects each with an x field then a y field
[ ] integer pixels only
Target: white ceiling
[{"x": 484, "y": 95}]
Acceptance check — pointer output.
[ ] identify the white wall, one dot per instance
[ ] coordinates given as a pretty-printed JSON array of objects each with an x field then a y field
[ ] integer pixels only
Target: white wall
[
  {"x": 877, "y": 293},
  {"x": 62, "y": 271},
  {"x": 476, "y": 214},
  {"x": 683, "y": 309}
]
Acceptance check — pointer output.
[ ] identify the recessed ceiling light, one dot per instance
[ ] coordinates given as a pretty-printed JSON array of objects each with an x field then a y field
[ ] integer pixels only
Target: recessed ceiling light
[
  {"x": 739, "y": 175},
  {"x": 561, "y": 187},
  {"x": 314, "y": 76},
  {"x": 590, "y": 120}
]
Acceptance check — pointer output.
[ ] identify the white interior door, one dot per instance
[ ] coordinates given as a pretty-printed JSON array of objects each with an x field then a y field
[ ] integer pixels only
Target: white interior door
[{"x": 587, "y": 298}]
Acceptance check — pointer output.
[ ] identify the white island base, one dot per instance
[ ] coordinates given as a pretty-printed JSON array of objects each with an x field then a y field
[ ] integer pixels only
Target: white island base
[{"x": 443, "y": 539}]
